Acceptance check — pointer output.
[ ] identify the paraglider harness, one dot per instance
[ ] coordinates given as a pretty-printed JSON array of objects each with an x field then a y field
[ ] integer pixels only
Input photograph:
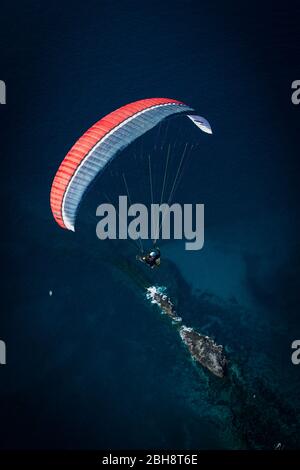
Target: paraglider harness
[{"x": 152, "y": 258}]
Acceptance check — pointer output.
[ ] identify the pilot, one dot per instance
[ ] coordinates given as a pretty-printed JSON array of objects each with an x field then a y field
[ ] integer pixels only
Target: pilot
[{"x": 152, "y": 258}]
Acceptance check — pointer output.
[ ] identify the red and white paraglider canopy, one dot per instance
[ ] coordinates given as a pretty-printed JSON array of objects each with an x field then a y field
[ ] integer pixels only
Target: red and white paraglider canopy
[{"x": 97, "y": 147}]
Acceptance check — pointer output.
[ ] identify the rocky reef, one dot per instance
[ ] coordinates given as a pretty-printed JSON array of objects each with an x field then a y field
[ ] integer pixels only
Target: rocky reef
[
  {"x": 158, "y": 296},
  {"x": 203, "y": 349}
]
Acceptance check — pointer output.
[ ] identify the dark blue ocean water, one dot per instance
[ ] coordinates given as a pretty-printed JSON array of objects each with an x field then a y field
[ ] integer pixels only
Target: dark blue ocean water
[{"x": 93, "y": 365}]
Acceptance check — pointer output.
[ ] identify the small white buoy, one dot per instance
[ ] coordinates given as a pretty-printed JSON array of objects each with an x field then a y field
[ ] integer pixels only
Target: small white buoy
[
  {"x": 254, "y": 396},
  {"x": 50, "y": 293}
]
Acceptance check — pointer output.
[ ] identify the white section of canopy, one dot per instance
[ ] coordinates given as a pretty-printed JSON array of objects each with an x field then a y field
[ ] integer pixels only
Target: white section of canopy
[{"x": 201, "y": 122}]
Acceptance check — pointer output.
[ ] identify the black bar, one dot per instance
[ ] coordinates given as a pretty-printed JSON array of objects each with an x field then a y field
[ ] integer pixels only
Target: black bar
[{"x": 150, "y": 458}]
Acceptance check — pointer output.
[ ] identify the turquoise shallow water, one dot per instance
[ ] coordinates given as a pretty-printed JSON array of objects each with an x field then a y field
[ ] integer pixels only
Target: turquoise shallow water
[{"x": 94, "y": 365}]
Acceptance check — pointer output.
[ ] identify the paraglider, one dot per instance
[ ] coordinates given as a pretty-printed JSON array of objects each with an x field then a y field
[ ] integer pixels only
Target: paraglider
[
  {"x": 152, "y": 258},
  {"x": 100, "y": 144}
]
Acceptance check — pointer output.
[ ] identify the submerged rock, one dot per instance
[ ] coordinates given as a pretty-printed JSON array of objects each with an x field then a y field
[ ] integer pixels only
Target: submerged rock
[
  {"x": 158, "y": 296},
  {"x": 204, "y": 350}
]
